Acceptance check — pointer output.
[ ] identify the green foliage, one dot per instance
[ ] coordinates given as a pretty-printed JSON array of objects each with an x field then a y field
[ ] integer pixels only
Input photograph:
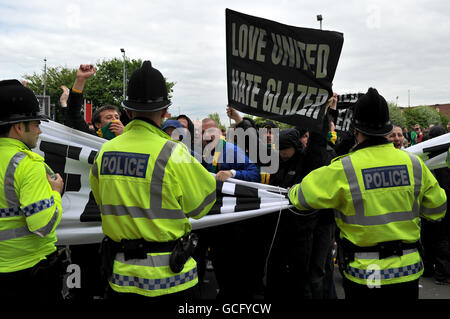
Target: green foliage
[
  {"x": 260, "y": 120},
  {"x": 56, "y": 76},
  {"x": 396, "y": 115},
  {"x": 106, "y": 87},
  {"x": 444, "y": 119},
  {"x": 215, "y": 116},
  {"x": 422, "y": 115}
]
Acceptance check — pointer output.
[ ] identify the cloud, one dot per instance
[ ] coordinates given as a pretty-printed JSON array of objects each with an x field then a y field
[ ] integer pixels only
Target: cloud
[{"x": 395, "y": 46}]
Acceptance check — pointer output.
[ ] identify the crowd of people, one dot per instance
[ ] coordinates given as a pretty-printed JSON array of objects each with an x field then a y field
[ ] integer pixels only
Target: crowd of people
[{"x": 287, "y": 254}]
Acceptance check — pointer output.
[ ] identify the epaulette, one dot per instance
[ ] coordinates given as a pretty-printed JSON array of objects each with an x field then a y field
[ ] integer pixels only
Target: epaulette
[{"x": 339, "y": 157}]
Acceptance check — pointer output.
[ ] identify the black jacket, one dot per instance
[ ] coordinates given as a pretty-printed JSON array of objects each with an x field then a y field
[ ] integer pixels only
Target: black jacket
[{"x": 72, "y": 116}]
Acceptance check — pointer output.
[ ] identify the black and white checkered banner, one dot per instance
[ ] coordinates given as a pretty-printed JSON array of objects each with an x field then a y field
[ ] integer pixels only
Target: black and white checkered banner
[{"x": 71, "y": 154}]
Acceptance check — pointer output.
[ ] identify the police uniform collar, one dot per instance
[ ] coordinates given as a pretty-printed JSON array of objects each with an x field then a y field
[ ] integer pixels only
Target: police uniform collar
[
  {"x": 372, "y": 141},
  {"x": 148, "y": 121},
  {"x": 13, "y": 141}
]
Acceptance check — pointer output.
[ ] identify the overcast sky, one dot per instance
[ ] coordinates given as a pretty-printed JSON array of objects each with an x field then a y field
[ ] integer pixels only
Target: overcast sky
[{"x": 394, "y": 46}]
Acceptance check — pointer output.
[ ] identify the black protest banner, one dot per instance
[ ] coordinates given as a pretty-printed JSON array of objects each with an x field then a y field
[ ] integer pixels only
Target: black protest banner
[
  {"x": 278, "y": 71},
  {"x": 344, "y": 107}
]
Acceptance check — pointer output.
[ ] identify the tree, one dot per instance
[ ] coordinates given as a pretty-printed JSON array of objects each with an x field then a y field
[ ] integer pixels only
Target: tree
[
  {"x": 215, "y": 116},
  {"x": 106, "y": 87},
  {"x": 396, "y": 115},
  {"x": 260, "y": 120},
  {"x": 56, "y": 76},
  {"x": 422, "y": 115},
  {"x": 444, "y": 119}
]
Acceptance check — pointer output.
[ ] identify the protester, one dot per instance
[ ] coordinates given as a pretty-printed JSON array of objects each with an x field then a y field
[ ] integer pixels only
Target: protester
[
  {"x": 416, "y": 135},
  {"x": 30, "y": 205},
  {"x": 174, "y": 129},
  {"x": 188, "y": 125},
  {"x": 368, "y": 211},
  {"x": 396, "y": 137},
  {"x": 406, "y": 134},
  {"x": 295, "y": 162},
  {"x": 228, "y": 242},
  {"x": 436, "y": 236},
  {"x": 147, "y": 248},
  {"x": 106, "y": 119},
  {"x": 223, "y": 158}
]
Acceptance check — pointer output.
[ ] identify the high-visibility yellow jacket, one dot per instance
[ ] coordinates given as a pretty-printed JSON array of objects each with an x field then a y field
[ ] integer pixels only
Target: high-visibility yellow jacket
[
  {"x": 29, "y": 209},
  {"x": 378, "y": 194},
  {"x": 147, "y": 186}
]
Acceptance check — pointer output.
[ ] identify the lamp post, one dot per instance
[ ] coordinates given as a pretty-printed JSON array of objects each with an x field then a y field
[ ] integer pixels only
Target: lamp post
[
  {"x": 124, "y": 74},
  {"x": 319, "y": 18},
  {"x": 45, "y": 84}
]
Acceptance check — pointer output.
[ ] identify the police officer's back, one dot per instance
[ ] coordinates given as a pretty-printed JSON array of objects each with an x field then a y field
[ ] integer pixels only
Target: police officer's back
[
  {"x": 378, "y": 193},
  {"x": 147, "y": 186}
]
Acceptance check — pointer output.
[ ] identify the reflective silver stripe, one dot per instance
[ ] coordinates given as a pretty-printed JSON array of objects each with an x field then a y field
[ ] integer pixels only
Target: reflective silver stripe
[
  {"x": 354, "y": 188},
  {"x": 14, "y": 233},
  {"x": 378, "y": 219},
  {"x": 301, "y": 198},
  {"x": 376, "y": 255},
  {"x": 359, "y": 218},
  {"x": 208, "y": 200},
  {"x": 150, "y": 261},
  {"x": 417, "y": 172},
  {"x": 389, "y": 273},
  {"x": 44, "y": 231},
  {"x": 138, "y": 212},
  {"x": 38, "y": 206},
  {"x": 10, "y": 192},
  {"x": 158, "y": 176},
  {"x": 431, "y": 211},
  {"x": 153, "y": 284}
]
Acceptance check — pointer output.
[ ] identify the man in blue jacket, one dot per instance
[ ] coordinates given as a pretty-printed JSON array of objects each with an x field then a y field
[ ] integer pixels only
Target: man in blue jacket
[
  {"x": 227, "y": 242},
  {"x": 223, "y": 158}
]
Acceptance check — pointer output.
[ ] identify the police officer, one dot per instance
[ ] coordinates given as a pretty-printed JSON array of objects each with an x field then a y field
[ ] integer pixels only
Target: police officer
[
  {"x": 147, "y": 186},
  {"x": 378, "y": 193},
  {"x": 30, "y": 200}
]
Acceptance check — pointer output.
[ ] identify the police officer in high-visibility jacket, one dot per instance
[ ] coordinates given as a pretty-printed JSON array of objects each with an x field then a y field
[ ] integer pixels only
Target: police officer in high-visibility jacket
[
  {"x": 30, "y": 201},
  {"x": 378, "y": 193},
  {"x": 147, "y": 186}
]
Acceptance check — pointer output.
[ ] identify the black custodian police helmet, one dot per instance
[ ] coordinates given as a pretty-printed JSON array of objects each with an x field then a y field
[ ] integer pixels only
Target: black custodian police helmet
[
  {"x": 371, "y": 115},
  {"x": 18, "y": 104},
  {"x": 147, "y": 91}
]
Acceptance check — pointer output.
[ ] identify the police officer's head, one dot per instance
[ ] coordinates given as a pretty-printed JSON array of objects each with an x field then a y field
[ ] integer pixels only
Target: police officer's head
[
  {"x": 19, "y": 113},
  {"x": 371, "y": 115},
  {"x": 147, "y": 93}
]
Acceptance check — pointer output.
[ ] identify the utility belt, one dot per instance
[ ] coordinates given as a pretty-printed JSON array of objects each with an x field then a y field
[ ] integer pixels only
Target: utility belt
[
  {"x": 181, "y": 250},
  {"x": 386, "y": 249}
]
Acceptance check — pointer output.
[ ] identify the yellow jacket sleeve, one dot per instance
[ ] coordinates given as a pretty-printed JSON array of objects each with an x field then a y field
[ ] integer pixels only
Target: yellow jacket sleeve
[
  {"x": 195, "y": 186},
  {"x": 40, "y": 204},
  {"x": 320, "y": 189}
]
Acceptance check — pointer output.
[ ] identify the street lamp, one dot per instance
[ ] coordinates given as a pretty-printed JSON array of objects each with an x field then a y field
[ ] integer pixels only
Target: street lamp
[
  {"x": 319, "y": 18},
  {"x": 45, "y": 85},
  {"x": 45, "y": 75},
  {"x": 124, "y": 74}
]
